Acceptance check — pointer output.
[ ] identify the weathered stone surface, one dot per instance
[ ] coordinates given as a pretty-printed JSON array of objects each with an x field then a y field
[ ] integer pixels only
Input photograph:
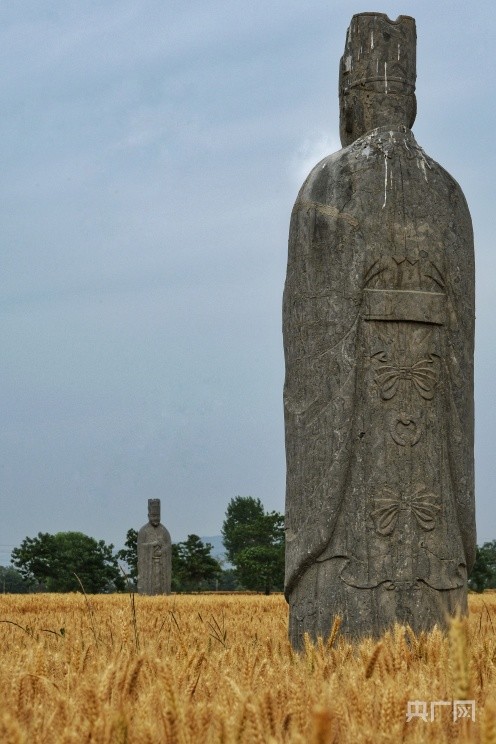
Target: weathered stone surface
[
  {"x": 378, "y": 324},
  {"x": 154, "y": 554}
]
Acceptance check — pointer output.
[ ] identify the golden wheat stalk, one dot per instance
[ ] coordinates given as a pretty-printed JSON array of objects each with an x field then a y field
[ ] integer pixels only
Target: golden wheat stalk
[
  {"x": 369, "y": 669},
  {"x": 488, "y": 727},
  {"x": 334, "y": 631},
  {"x": 323, "y": 726},
  {"x": 459, "y": 658},
  {"x": 178, "y": 688}
]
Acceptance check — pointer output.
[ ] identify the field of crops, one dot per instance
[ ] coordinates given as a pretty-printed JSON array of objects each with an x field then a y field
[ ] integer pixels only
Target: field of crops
[{"x": 208, "y": 669}]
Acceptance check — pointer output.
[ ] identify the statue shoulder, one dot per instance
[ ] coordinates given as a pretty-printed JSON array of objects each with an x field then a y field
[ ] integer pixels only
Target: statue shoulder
[
  {"x": 321, "y": 179},
  {"x": 443, "y": 183},
  {"x": 150, "y": 534},
  {"x": 452, "y": 185},
  {"x": 164, "y": 533}
]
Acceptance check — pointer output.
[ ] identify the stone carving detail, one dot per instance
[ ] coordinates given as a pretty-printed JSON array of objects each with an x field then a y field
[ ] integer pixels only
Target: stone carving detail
[
  {"x": 423, "y": 375},
  {"x": 378, "y": 324},
  {"x": 154, "y": 554},
  {"x": 407, "y": 271},
  {"x": 405, "y": 429},
  {"x": 421, "y": 502}
]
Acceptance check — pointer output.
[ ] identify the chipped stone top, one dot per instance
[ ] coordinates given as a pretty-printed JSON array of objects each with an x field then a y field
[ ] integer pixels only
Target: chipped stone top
[
  {"x": 377, "y": 75},
  {"x": 379, "y": 54}
]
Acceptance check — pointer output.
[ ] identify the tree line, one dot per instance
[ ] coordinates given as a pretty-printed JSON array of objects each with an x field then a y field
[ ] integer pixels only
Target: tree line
[
  {"x": 254, "y": 547},
  {"x": 72, "y": 561}
]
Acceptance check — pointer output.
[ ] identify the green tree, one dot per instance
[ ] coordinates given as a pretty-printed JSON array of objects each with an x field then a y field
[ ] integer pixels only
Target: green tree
[
  {"x": 254, "y": 543},
  {"x": 11, "y": 581},
  {"x": 51, "y": 561},
  {"x": 228, "y": 580},
  {"x": 193, "y": 567},
  {"x": 483, "y": 573},
  {"x": 240, "y": 528},
  {"x": 129, "y": 554}
]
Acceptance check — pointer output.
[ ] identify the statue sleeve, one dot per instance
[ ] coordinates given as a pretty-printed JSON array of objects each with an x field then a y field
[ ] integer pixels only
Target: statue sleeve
[
  {"x": 461, "y": 316},
  {"x": 320, "y": 320}
]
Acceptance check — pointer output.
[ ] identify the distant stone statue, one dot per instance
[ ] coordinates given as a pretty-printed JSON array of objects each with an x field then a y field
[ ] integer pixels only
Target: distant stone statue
[
  {"x": 154, "y": 554},
  {"x": 378, "y": 324}
]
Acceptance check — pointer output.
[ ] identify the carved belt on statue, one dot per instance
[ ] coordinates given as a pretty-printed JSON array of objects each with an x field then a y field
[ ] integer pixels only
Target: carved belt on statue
[{"x": 404, "y": 304}]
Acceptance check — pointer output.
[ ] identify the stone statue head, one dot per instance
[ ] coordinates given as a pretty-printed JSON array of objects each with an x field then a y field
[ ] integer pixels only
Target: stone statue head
[
  {"x": 377, "y": 75},
  {"x": 154, "y": 512}
]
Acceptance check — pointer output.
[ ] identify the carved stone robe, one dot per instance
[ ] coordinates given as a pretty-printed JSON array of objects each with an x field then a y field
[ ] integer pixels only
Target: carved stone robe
[
  {"x": 154, "y": 560},
  {"x": 378, "y": 325}
]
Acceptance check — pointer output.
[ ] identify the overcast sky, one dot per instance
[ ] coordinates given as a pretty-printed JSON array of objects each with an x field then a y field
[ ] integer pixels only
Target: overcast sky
[{"x": 151, "y": 153}]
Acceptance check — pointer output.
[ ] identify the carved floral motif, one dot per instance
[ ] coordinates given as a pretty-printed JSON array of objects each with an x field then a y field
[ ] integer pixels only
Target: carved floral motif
[
  {"x": 423, "y": 375},
  {"x": 422, "y": 503}
]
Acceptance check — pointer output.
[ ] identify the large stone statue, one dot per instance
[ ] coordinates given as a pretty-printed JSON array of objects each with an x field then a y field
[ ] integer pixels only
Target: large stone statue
[
  {"x": 378, "y": 335},
  {"x": 154, "y": 554}
]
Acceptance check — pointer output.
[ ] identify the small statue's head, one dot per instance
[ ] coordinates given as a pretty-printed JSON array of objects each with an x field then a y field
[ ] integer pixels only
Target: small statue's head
[
  {"x": 154, "y": 512},
  {"x": 377, "y": 75}
]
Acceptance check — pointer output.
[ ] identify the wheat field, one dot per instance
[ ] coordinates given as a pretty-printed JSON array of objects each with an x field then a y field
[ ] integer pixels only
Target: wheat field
[{"x": 195, "y": 669}]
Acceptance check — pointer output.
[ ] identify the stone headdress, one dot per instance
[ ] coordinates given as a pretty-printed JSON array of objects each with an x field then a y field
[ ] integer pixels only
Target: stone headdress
[{"x": 379, "y": 54}]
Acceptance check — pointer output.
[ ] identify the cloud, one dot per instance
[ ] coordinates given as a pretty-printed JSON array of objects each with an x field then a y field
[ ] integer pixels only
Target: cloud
[{"x": 146, "y": 127}]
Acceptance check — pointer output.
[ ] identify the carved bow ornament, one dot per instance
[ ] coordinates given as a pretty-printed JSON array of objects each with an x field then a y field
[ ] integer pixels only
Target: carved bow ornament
[
  {"x": 423, "y": 375},
  {"x": 423, "y": 504}
]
